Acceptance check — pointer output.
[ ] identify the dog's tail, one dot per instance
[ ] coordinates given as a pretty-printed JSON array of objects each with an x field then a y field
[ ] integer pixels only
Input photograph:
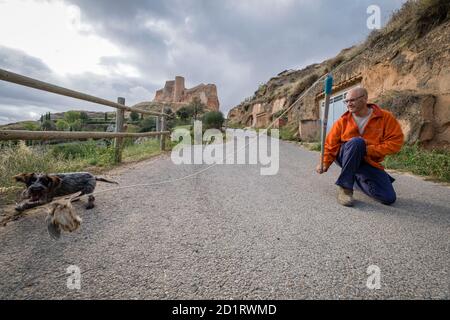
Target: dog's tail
[{"x": 104, "y": 180}]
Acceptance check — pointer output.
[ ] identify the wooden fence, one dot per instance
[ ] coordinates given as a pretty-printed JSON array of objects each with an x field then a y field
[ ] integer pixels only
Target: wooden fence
[{"x": 53, "y": 135}]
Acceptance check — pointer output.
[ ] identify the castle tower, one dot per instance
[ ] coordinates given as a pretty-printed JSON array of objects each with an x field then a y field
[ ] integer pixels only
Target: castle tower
[{"x": 179, "y": 89}]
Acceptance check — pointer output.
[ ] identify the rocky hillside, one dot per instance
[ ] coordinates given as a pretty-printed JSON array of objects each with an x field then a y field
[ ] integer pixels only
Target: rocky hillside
[{"x": 405, "y": 67}]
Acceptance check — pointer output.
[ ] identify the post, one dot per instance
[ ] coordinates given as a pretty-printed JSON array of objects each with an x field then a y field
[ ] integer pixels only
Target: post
[
  {"x": 120, "y": 115},
  {"x": 162, "y": 139},
  {"x": 157, "y": 123},
  {"x": 328, "y": 91}
]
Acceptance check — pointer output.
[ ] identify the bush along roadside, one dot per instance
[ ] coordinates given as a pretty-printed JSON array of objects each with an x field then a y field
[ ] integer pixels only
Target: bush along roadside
[
  {"x": 93, "y": 156},
  {"x": 411, "y": 158}
]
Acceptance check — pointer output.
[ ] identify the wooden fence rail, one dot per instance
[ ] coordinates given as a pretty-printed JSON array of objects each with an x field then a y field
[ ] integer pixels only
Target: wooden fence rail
[
  {"x": 44, "y": 86},
  {"x": 55, "y": 135},
  {"x": 72, "y": 135}
]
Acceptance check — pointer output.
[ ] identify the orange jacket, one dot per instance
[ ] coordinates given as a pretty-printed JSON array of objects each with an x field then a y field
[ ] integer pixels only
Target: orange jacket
[{"x": 383, "y": 136}]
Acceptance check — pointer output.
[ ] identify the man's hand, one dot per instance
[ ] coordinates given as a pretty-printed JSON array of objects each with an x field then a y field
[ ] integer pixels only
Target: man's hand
[{"x": 320, "y": 171}]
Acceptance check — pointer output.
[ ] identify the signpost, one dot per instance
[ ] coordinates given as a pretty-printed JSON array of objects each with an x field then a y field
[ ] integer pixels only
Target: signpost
[{"x": 328, "y": 89}]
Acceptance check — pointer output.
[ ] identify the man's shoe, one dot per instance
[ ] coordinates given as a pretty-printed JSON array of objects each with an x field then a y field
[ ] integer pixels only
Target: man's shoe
[{"x": 345, "y": 196}]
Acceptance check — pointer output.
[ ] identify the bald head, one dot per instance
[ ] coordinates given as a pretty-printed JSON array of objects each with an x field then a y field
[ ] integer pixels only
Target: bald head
[
  {"x": 357, "y": 92},
  {"x": 356, "y": 101}
]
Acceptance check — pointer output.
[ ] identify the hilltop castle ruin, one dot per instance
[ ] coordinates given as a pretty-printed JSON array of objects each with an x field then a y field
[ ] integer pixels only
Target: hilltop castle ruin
[{"x": 176, "y": 94}]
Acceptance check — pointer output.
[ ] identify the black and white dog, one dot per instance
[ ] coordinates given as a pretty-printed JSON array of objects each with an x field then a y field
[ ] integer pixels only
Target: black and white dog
[{"x": 42, "y": 188}]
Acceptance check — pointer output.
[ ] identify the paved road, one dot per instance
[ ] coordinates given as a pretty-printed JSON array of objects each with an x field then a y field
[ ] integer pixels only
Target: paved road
[{"x": 230, "y": 233}]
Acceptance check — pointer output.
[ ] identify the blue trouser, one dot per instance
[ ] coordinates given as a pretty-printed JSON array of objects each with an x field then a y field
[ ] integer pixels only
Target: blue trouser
[{"x": 374, "y": 182}]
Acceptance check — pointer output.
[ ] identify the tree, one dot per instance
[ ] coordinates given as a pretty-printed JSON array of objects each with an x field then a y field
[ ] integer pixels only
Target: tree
[
  {"x": 168, "y": 111},
  {"x": 31, "y": 126},
  {"x": 184, "y": 113},
  {"x": 147, "y": 124},
  {"x": 192, "y": 110},
  {"x": 73, "y": 119},
  {"x": 84, "y": 117},
  {"x": 62, "y": 125},
  {"x": 197, "y": 108},
  {"x": 213, "y": 119},
  {"x": 134, "y": 116},
  {"x": 72, "y": 116},
  {"x": 48, "y": 125},
  {"x": 76, "y": 125}
]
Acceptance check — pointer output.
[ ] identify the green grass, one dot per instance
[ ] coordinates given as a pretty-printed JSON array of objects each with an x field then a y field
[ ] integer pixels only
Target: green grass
[
  {"x": 288, "y": 133},
  {"x": 435, "y": 163},
  {"x": 68, "y": 157},
  {"x": 313, "y": 146},
  {"x": 188, "y": 127},
  {"x": 138, "y": 152}
]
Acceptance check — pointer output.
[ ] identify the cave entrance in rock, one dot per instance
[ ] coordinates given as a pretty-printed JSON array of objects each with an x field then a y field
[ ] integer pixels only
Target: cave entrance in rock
[{"x": 249, "y": 122}]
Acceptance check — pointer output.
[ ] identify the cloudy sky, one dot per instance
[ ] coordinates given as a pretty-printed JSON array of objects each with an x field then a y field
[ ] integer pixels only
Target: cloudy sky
[{"x": 112, "y": 48}]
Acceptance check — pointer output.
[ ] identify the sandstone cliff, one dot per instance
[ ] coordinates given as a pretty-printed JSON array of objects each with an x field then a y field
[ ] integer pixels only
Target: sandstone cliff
[{"x": 405, "y": 66}]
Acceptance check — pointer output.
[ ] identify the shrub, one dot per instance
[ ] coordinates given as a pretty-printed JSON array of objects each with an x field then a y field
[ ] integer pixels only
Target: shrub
[
  {"x": 335, "y": 62},
  {"x": 288, "y": 133},
  {"x": 277, "y": 114},
  {"x": 31, "y": 126},
  {"x": 429, "y": 14},
  {"x": 194, "y": 110},
  {"x": 147, "y": 124},
  {"x": 197, "y": 107},
  {"x": 213, "y": 119},
  {"x": 183, "y": 113},
  {"x": 134, "y": 116},
  {"x": 72, "y": 116},
  {"x": 15, "y": 159},
  {"x": 84, "y": 117},
  {"x": 76, "y": 125},
  {"x": 413, "y": 20},
  {"x": 62, "y": 125},
  {"x": 73, "y": 150},
  {"x": 304, "y": 84},
  {"x": 435, "y": 163},
  {"x": 48, "y": 125}
]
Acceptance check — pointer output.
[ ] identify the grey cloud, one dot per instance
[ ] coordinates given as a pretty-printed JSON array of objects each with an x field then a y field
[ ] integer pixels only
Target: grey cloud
[
  {"x": 13, "y": 59},
  {"x": 266, "y": 38},
  {"x": 16, "y": 102},
  {"x": 235, "y": 44}
]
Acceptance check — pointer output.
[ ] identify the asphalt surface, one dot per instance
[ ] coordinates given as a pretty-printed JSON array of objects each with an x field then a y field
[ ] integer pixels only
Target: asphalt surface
[{"x": 230, "y": 233}]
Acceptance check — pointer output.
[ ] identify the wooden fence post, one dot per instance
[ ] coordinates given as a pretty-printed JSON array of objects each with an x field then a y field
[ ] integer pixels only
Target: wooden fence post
[
  {"x": 120, "y": 115},
  {"x": 158, "y": 124},
  {"x": 162, "y": 139}
]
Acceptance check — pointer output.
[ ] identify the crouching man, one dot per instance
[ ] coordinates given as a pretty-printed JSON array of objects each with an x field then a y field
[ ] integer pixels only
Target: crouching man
[{"x": 358, "y": 143}]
